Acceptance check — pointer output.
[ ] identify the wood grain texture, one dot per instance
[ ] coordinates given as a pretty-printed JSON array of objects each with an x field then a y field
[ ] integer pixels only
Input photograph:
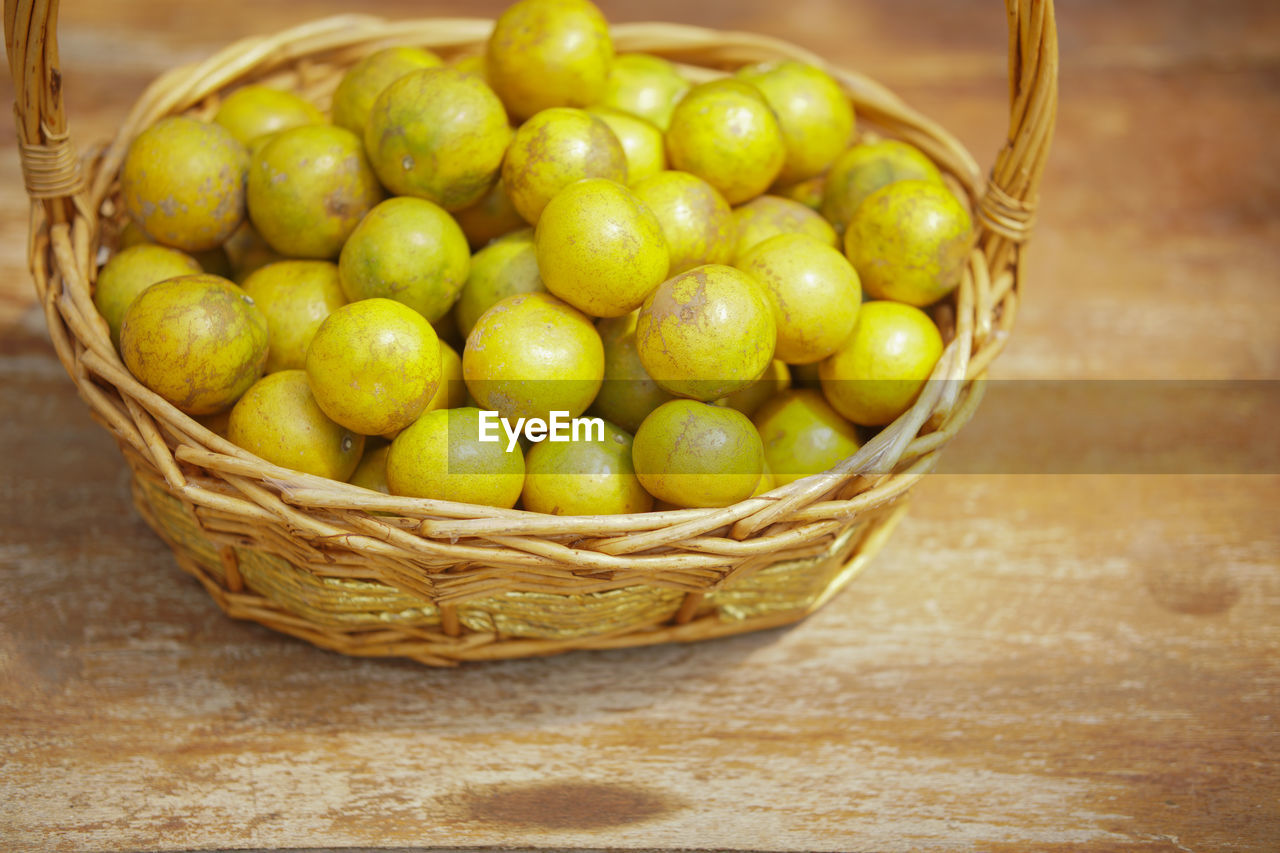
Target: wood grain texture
[{"x": 1036, "y": 662}]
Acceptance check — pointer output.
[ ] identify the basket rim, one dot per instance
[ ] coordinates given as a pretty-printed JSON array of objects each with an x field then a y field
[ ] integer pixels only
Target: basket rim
[{"x": 182, "y": 88}]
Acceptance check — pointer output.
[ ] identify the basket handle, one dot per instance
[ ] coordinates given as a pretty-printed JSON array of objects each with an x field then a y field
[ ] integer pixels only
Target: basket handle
[
  {"x": 1008, "y": 206},
  {"x": 50, "y": 166},
  {"x": 52, "y": 175}
]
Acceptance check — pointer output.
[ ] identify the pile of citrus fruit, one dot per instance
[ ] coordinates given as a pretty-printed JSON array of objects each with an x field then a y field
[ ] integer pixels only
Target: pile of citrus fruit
[{"x": 726, "y": 279}]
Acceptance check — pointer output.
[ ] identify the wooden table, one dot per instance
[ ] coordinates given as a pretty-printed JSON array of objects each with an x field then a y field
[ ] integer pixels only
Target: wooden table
[{"x": 1053, "y": 661}]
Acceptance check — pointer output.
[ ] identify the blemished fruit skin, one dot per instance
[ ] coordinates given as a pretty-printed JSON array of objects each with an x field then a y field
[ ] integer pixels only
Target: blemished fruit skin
[
  {"x": 691, "y": 454},
  {"x": 878, "y": 373},
  {"x": 867, "y": 167},
  {"x": 532, "y": 354},
  {"x": 278, "y": 420},
  {"x": 295, "y": 297},
  {"x": 197, "y": 340},
  {"x": 803, "y": 435},
  {"x": 183, "y": 182},
  {"x": 132, "y": 271},
  {"x": 501, "y": 269},
  {"x": 584, "y": 477},
  {"x": 771, "y": 215},
  {"x": 815, "y": 116},
  {"x": 364, "y": 82},
  {"x": 549, "y": 53},
  {"x": 628, "y": 394},
  {"x": 438, "y": 134},
  {"x": 255, "y": 111},
  {"x": 909, "y": 242},
  {"x": 645, "y": 86},
  {"x": 724, "y": 132},
  {"x": 706, "y": 333},
  {"x": 600, "y": 249},
  {"x": 554, "y": 149},
  {"x": 696, "y": 220},
  {"x": 814, "y": 292},
  {"x": 374, "y": 365},
  {"x": 308, "y": 189},
  {"x": 440, "y": 456},
  {"x": 410, "y": 250}
]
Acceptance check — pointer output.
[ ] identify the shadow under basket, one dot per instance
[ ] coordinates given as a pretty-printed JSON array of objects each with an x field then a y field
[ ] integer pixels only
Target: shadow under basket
[{"x": 367, "y": 574}]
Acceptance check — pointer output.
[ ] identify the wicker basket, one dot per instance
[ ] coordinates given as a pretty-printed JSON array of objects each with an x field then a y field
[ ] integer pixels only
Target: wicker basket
[{"x": 366, "y": 574}]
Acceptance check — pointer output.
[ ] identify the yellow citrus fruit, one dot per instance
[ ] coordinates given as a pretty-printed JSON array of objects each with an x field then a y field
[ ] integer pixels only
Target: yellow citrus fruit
[
  {"x": 217, "y": 423},
  {"x": 364, "y": 82},
  {"x": 371, "y": 473},
  {"x": 803, "y": 435},
  {"x": 549, "y": 53},
  {"x": 438, "y": 134},
  {"x": 600, "y": 249},
  {"x": 909, "y": 242},
  {"x": 132, "y": 271},
  {"x": 645, "y": 86},
  {"x": 555, "y": 148},
  {"x": 879, "y": 371},
  {"x": 215, "y": 261},
  {"x": 695, "y": 219},
  {"x": 183, "y": 183},
  {"x": 628, "y": 394},
  {"x": 409, "y": 250},
  {"x": 440, "y": 456},
  {"x": 724, "y": 132},
  {"x": 255, "y": 110},
  {"x": 776, "y": 379},
  {"x": 806, "y": 375},
  {"x": 532, "y": 354},
  {"x": 584, "y": 477},
  {"x": 692, "y": 454},
  {"x": 771, "y": 215},
  {"x": 501, "y": 269},
  {"x": 447, "y": 329},
  {"x": 808, "y": 192},
  {"x": 642, "y": 142},
  {"x": 197, "y": 340},
  {"x": 308, "y": 189},
  {"x": 472, "y": 63},
  {"x": 452, "y": 390},
  {"x": 814, "y": 292},
  {"x": 766, "y": 482},
  {"x": 246, "y": 252},
  {"x": 815, "y": 116},
  {"x": 295, "y": 297},
  {"x": 493, "y": 216},
  {"x": 867, "y": 167},
  {"x": 374, "y": 365},
  {"x": 706, "y": 333},
  {"x": 278, "y": 420}
]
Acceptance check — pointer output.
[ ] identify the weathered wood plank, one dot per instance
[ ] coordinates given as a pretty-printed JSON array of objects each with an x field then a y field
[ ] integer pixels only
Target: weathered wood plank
[{"x": 1034, "y": 662}]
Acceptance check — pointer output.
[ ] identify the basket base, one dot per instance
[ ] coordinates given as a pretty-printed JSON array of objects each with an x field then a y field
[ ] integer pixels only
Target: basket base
[{"x": 371, "y": 619}]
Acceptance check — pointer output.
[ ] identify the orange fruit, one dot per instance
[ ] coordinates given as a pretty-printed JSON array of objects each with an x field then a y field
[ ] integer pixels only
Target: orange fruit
[
  {"x": 878, "y": 373},
  {"x": 692, "y": 454},
  {"x": 706, "y": 333},
  {"x": 278, "y": 420},
  {"x": 549, "y": 53},
  {"x": 532, "y": 354},
  {"x": 740, "y": 164}
]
